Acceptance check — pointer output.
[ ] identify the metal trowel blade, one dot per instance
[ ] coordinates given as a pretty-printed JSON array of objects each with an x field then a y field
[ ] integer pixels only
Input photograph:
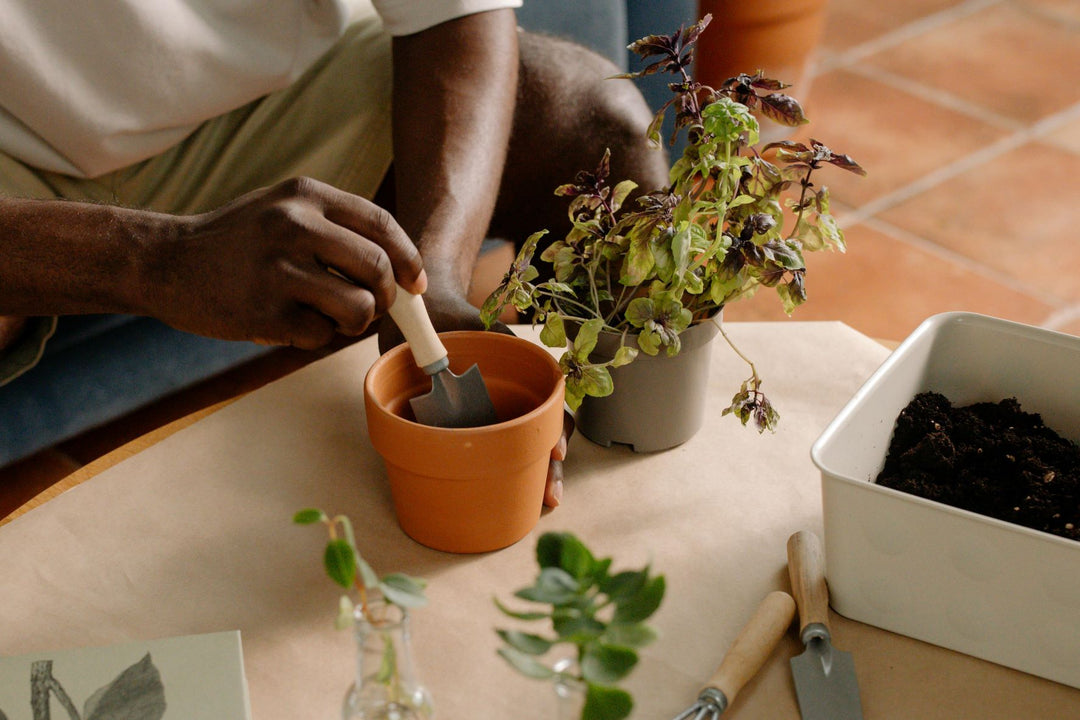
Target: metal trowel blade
[
  {"x": 455, "y": 401},
  {"x": 825, "y": 683}
]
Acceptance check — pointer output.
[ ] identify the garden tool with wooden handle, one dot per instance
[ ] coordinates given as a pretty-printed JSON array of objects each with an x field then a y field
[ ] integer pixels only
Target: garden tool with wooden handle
[
  {"x": 455, "y": 401},
  {"x": 824, "y": 676},
  {"x": 745, "y": 656}
]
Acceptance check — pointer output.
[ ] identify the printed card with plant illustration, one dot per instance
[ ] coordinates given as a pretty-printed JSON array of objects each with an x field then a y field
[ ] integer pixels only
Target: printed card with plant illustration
[{"x": 194, "y": 677}]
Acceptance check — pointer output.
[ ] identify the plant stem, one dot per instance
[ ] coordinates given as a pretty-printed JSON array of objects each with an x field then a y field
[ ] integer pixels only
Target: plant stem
[
  {"x": 806, "y": 184},
  {"x": 720, "y": 326},
  {"x": 350, "y": 537}
]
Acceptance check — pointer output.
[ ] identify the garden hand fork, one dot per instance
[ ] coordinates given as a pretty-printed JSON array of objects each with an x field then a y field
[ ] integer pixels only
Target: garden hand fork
[{"x": 745, "y": 656}]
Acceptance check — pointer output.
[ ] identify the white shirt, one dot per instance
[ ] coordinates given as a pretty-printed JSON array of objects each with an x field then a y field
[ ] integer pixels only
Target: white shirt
[{"x": 90, "y": 86}]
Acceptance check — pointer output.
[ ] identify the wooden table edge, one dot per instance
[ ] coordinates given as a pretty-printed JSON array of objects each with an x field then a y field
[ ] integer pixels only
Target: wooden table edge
[{"x": 114, "y": 457}]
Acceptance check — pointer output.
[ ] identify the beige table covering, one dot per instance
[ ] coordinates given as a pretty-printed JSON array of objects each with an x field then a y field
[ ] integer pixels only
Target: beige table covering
[{"x": 193, "y": 535}]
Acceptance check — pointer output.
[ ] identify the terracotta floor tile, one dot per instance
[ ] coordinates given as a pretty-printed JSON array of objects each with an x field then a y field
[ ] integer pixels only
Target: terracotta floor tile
[
  {"x": 965, "y": 58},
  {"x": 884, "y": 287},
  {"x": 853, "y": 22},
  {"x": 1066, "y": 12},
  {"x": 1017, "y": 214},
  {"x": 895, "y": 136},
  {"x": 1066, "y": 137}
]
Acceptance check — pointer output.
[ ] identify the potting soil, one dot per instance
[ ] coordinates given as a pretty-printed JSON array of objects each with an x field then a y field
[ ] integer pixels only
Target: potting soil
[{"x": 990, "y": 458}]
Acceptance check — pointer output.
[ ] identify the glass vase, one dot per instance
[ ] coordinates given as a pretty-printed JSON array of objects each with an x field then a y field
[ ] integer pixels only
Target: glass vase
[
  {"x": 569, "y": 692},
  {"x": 386, "y": 687}
]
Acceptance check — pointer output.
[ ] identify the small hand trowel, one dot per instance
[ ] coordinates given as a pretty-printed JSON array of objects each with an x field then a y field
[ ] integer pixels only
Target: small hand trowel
[
  {"x": 824, "y": 676},
  {"x": 455, "y": 401}
]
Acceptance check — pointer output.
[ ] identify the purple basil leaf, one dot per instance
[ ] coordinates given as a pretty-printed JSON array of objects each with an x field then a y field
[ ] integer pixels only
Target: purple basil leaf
[{"x": 782, "y": 108}]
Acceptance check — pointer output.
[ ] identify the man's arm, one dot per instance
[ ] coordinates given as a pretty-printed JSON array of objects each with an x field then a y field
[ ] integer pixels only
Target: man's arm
[
  {"x": 270, "y": 266},
  {"x": 454, "y": 92}
]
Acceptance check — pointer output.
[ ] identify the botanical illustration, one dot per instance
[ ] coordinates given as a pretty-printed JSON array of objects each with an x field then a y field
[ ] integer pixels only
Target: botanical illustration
[{"x": 137, "y": 693}]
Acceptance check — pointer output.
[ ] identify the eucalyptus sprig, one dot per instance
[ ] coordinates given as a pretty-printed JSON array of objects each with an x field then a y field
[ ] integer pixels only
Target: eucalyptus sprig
[
  {"x": 730, "y": 222},
  {"x": 347, "y": 568},
  {"x": 598, "y": 614}
]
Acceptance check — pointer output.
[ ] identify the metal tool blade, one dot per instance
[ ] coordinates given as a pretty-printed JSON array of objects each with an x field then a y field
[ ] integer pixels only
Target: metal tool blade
[
  {"x": 455, "y": 401},
  {"x": 825, "y": 682},
  {"x": 824, "y": 676}
]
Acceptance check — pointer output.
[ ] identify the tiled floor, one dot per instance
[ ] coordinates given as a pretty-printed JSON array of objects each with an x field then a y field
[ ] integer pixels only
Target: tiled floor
[{"x": 965, "y": 113}]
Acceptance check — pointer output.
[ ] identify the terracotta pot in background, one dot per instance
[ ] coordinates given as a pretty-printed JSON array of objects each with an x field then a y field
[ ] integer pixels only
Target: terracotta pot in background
[
  {"x": 476, "y": 489},
  {"x": 777, "y": 36}
]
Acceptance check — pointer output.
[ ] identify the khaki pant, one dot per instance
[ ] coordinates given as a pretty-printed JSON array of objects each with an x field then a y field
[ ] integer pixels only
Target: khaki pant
[{"x": 332, "y": 124}]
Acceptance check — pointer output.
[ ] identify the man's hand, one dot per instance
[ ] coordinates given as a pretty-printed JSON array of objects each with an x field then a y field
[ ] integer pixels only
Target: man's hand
[{"x": 291, "y": 264}]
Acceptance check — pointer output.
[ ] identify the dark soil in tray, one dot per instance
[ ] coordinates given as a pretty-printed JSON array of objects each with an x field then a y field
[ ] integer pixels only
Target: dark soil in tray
[{"x": 990, "y": 458}]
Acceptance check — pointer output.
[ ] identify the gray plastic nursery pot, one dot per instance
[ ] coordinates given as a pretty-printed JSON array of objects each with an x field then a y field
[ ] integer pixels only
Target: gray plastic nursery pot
[{"x": 658, "y": 401}]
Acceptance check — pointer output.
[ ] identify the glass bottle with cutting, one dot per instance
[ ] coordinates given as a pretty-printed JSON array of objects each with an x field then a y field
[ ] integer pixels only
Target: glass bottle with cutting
[{"x": 387, "y": 686}]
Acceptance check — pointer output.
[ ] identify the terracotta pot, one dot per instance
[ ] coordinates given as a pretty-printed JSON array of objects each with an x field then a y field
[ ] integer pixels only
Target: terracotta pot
[
  {"x": 468, "y": 490},
  {"x": 778, "y": 36},
  {"x": 658, "y": 401}
]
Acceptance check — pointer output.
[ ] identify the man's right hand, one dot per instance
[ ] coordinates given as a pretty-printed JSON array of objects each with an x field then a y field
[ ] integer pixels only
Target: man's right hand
[{"x": 291, "y": 264}]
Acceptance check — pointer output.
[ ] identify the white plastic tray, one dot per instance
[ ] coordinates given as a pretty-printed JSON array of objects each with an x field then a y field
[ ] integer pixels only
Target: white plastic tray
[{"x": 950, "y": 577}]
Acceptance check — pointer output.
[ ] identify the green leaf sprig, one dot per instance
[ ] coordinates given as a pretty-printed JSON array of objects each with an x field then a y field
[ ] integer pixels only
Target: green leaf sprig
[
  {"x": 347, "y": 568},
  {"x": 599, "y": 614},
  {"x": 715, "y": 235}
]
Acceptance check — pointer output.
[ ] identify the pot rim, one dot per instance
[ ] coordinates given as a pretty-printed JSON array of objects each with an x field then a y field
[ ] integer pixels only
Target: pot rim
[{"x": 392, "y": 354}]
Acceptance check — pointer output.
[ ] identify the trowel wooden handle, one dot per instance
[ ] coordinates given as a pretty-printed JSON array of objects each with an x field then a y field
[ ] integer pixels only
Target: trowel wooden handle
[
  {"x": 806, "y": 566},
  {"x": 754, "y": 644},
  {"x": 411, "y": 316}
]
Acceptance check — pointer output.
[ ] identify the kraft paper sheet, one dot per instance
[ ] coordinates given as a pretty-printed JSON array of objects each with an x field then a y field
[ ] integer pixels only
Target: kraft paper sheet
[{"x": 194, "y": 535}]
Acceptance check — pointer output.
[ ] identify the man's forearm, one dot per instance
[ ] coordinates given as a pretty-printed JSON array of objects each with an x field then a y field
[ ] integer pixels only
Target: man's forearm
[
  {"x": 454, "y": 92},
  {"x": 69, "y": 258}
]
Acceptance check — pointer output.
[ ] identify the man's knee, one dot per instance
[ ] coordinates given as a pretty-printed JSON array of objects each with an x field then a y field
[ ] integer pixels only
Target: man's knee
[{"x": 570, "y": 89}]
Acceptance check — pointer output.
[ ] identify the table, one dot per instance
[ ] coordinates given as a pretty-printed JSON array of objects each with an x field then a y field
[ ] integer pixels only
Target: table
[{"x": 193, "y": 535}]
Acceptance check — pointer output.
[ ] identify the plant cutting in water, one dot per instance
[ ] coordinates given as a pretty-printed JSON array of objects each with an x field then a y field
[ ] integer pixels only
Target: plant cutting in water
[
  {"x": 598, "y": 614},
  {"x": 374, "y": 613},
  {"x": 347, "y": 568},
  {"x": 715, "y": 235}
]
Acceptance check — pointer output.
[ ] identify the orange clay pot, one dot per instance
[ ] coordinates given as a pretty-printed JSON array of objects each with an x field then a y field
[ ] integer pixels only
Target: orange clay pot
[
  {"x": 777, "y": 36},
  {"x": 468, "y": 490}
]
